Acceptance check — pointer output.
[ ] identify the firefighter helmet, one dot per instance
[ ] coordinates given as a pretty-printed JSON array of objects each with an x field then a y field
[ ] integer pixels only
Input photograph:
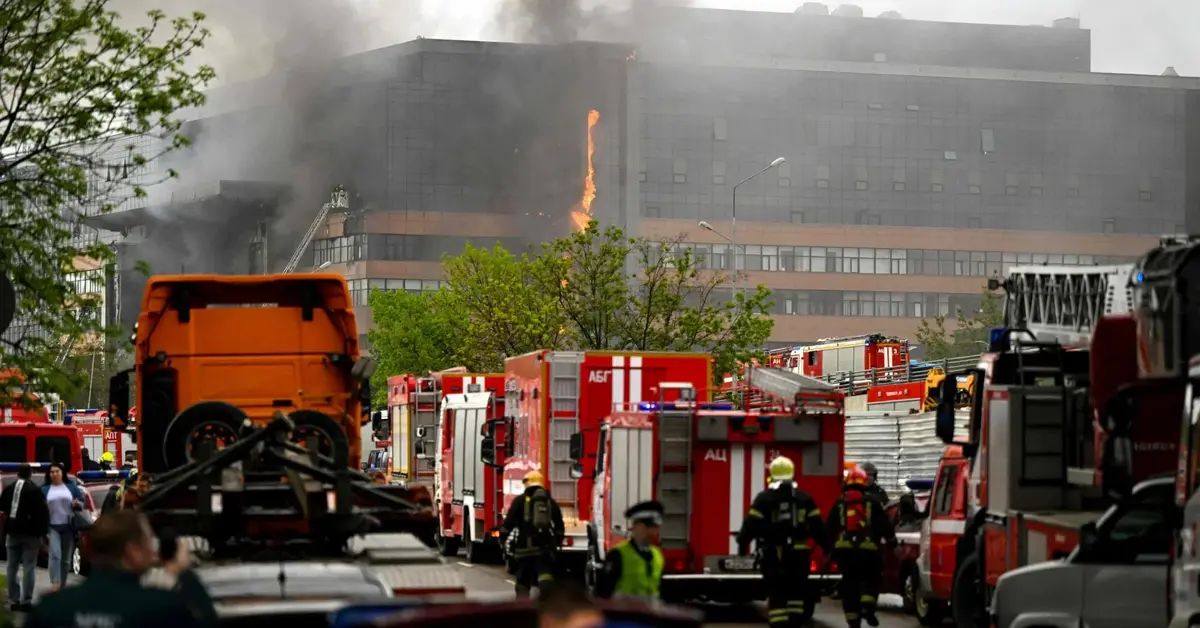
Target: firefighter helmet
[
  {"x": 782, "y": 468},
  {"x": 106, "y": 457},
  {"x": 856, "y": 477},
  {"x": 533, "y": 478}
]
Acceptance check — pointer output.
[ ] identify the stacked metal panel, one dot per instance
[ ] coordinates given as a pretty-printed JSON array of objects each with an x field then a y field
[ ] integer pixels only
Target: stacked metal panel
[{"x": 902, "y": 446}]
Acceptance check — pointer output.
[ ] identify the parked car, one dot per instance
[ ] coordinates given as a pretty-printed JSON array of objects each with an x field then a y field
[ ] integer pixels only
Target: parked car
[{"x": 900, "y": 566}]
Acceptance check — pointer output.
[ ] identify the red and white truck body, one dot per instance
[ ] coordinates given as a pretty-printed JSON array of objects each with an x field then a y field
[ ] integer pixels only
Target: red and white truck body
[
  {"x": 469, "y": 493},
  {"x": 412, "y": 430},
  {"x": 705, "y": 462},
  {"x": 557, "y": 399}
]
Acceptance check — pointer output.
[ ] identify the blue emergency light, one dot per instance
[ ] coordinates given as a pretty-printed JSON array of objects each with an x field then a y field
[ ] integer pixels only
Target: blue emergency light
[
  {"x": 919, "y": 484},
  {"x": 364, "y": 614},
  {"x": 716, "y": 405},
  {"x": 1138, "y": 277},
  {"x": 996, "y": 339},
  {"x": 103, "y": 475},
  {"x": 13, "y": 467}
]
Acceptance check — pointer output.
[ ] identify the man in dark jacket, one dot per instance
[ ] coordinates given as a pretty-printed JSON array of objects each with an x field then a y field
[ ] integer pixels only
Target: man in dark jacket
[
  {"x": 123, "y": 551},
  {"x": 532, "y": 531},
  {"x": 26, "y": 523},
  {"x": 873, "y": 488},
  {"x": 88, "y": 463}
]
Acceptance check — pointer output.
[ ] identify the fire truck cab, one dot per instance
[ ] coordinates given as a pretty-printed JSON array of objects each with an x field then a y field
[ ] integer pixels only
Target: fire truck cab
[
  {"x": 705, "y": 462},
  {"x": 468, "y": 491},
  {"x": 1025, "y": 481}
]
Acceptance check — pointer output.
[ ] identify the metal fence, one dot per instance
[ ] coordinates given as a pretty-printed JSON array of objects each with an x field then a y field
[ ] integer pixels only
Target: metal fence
[
  {"x": 902, "y": 446},
  {"x": 857, "y": 382}
]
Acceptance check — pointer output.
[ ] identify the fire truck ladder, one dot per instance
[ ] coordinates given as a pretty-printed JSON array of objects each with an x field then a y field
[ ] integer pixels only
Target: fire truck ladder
[
  {"x": 338, "y": 200},
  {"x": 425, "y": 425},
  {"x": 1062, "y": 303},
  {"x": 777, "y": 387},
  {"x": 675, "y": 467},
  {"x": 565, "y": 369}
]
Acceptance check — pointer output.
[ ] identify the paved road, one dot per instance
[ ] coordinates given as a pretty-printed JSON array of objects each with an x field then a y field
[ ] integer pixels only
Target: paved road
[{"x": 487, "y": 582}]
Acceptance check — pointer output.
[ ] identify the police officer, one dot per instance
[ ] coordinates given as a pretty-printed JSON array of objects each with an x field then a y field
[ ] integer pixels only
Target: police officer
[
  {"x": 532, "y": 531},
  {"x": 859, "y": 524},
  {"x": 783, "y": 519},
  {"x": 122, "y": 552},
  {"x": 873, "y": 487},
  {"x": 634, "y": 568}
]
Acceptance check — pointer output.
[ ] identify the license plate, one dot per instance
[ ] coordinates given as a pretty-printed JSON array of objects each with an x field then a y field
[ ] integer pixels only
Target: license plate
[{"x": 743, "y": 563}]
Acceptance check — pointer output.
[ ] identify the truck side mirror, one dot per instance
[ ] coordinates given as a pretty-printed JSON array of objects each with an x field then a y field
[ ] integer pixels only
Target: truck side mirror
[
  {"x": 363, "y": 368},
  {"x": 376, "y": 422},
  {"x": 118, "y": 397},
  {"x": 364, "y": 395},
  {"x": 487, "y": 451},
  {"x": 1089, "y": 536},
  {"x": 575, "y": 449}
]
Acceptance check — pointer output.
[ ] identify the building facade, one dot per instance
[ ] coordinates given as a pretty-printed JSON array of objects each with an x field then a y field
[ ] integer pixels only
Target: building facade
[{"x": 908, "y": 181}]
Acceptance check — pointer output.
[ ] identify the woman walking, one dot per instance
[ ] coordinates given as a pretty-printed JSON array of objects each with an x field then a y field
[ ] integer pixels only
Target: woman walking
[{"x": 63, "y": 498}]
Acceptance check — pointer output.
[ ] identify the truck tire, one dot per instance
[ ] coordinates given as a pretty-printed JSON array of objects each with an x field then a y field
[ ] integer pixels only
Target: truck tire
[
  {"x": 448, "y": 546},
  {"x": 928, "y": 612},
  {"x": 207, "y": 419},
  {"x": 330, "y": 436},
  {"x": 966, "y": 598}
]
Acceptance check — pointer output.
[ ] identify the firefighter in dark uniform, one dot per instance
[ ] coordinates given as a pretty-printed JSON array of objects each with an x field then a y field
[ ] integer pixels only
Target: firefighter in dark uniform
[
  {"x": 532, "y": 531},
  {"x": 859, "y": 526},
  {"x": 784, "y": 521},
  {"x": 634, "y": 568},
  {"x": 873, "y": 487}
]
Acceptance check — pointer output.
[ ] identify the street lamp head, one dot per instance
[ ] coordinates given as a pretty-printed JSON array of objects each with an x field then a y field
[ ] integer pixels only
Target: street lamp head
[
  {"x": 778, "y": 160},
  {"x": 704, "y": 225},
  {"x": 325, "y": 265}
]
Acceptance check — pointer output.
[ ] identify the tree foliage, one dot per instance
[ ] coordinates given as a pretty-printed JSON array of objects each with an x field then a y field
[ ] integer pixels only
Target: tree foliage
[
  {"x": 592, "y": 290},
  {"x": 970, "y": 337},
  {"x": 77, "y": 90},
  {"x": 94, "y": 370}
]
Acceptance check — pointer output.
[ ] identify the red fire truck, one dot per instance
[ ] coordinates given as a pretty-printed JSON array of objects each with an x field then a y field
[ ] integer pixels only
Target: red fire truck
[
  {"x": 469, "y": 493},
  {"x": 705, "y": 462},
  {"x": 411, "y": 427},
  {"x": 861, "y": 360},
  {"x": 1018, "y": 489},
  {"x": 556, "y": 401}
]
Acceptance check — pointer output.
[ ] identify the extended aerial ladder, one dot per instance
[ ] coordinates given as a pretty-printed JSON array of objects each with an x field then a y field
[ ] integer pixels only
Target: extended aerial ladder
[
  {"x": 1063, "y": 303},
  {"x": 338, "y": 200},
  {"x": 765, "y": 388}
]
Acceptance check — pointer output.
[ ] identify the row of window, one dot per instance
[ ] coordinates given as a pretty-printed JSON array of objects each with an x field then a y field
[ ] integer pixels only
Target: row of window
[
  {"x": 390, "y": 247},
  {"x": 824, "y": 259},
  {"x": 360, "y": 289},
  {"x": 868, "y": 303}
]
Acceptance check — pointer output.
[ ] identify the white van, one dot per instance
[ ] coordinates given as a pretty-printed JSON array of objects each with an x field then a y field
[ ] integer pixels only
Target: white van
[{"x": 1115, "y": 578}]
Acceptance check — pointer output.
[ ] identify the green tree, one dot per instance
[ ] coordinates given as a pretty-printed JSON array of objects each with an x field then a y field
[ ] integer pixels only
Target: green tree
[
  {"x": 969, "y": 337},
  {"x": 591, "y": 290},
  {"x": 79, "y": 89}
]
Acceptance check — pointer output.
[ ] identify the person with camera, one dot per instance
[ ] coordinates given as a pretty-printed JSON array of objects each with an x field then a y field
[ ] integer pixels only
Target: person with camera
[{"x": 124, "y": 550}]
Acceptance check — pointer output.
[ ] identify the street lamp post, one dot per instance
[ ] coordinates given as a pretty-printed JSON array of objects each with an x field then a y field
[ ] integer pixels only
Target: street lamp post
[{"x": 733, "y": 222}]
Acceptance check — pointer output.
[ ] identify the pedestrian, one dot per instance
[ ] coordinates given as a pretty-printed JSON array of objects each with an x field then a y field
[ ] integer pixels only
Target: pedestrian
[
  {"x": 634, "y": 568},
  {"x": 26, "y": 522},
  {"x": 532, "y": 531},
  {"x": 122, "y": 552},
  {"x": 859, "y": 525},
  {"x": 785, "y": 523},
  {"x": 63, "y": 499},
  {"x": 873, "y": 488}
]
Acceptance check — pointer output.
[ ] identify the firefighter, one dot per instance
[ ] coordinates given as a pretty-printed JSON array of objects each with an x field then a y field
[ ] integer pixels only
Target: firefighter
[
  {"x": 873, "y": 487},
  {"x": 106, "y": 461},
  {"x": 783, "y": 520},
  {"x": 634, "y": 568},
  {"x": 859, "y": 524},
  {"x": 532, "y": 531}
]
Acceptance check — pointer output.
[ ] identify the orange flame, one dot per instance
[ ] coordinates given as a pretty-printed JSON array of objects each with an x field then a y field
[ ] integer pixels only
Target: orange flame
[{"x": 583, "y": 212}]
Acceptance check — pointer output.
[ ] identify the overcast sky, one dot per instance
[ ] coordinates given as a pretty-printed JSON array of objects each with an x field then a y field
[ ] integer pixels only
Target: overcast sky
[{"x": 1128, "y": 36}]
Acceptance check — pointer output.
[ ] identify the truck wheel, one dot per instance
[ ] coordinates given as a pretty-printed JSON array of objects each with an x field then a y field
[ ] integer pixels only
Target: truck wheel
[
  {"x": 447, "y": 546},
  {"x": 329, "y": 435},
  {"x": 208, "y": 419},
  {"x": 967, "y": 605},
  {"x": 928, "y": 612}
]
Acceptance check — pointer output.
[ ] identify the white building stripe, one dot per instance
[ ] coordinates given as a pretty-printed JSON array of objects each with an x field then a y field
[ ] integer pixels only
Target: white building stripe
[
  {"x": 618, "y": 382},
  {"x": 758, "y": 469},
  {"x": 635, "y": 380},
  {"x": 737, "y": 493}
]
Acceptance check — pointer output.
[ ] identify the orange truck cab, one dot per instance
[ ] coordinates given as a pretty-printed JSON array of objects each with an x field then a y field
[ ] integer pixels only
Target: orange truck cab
[{"x": 212, "y": 351}]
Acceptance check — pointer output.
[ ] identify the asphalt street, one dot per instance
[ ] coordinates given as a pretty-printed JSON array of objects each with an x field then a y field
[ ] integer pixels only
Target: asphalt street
[
  {"x": 491, "y": 582},
  {"x": 488, "y": 582}
]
